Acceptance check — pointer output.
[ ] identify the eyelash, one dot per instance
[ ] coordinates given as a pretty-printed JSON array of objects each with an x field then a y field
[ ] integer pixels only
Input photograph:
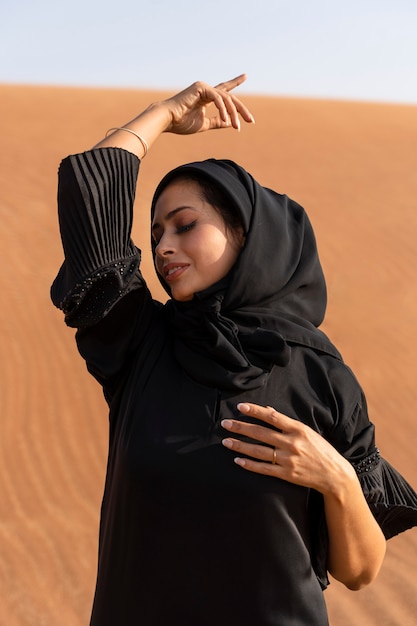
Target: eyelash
[
  {"x": 180, "y": 230},
  {"x": 186, "y": 227}
]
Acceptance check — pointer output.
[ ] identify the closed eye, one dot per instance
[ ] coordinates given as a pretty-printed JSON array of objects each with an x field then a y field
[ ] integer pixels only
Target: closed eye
[{"x": 186, "y": 227}]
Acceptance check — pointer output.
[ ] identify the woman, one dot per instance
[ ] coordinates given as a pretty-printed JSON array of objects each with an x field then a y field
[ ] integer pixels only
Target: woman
[{"x": 242, "y": 463}]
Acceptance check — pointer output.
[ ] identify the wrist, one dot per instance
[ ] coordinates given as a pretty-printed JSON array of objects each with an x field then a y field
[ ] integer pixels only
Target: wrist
[
  {"x": 174, "y": 115},
  {"x": 341, "y": 483},
  {"x": 160, "y": 112}
]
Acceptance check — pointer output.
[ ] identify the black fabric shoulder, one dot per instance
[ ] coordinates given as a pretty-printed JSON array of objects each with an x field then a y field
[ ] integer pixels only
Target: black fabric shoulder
[{"x": 352, "y": 433}]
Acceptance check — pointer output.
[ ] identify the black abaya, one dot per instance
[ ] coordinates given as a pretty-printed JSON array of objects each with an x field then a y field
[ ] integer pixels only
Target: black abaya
[{"x": 186, "y": 536}]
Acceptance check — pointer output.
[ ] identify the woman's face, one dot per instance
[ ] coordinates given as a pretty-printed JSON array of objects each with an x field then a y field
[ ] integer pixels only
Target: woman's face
[{"x": 194, "y": 248}]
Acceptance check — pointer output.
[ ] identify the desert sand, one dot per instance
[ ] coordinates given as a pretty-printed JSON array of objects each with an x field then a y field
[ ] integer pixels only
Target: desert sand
[{"x": 351, "y": 164}]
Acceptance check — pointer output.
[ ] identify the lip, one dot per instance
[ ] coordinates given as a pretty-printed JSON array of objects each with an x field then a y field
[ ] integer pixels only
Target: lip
[{"x": 172, "y": 271}]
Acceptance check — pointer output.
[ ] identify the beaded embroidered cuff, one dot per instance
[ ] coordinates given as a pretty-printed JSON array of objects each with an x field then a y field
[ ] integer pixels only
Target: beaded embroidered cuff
[
  {"x": 90, "y": 300},
  {"x": 368, "y": 463}
]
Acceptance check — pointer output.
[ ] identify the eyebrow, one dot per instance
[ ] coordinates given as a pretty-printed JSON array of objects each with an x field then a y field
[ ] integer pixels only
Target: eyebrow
[{"x": 170, "y": 215}]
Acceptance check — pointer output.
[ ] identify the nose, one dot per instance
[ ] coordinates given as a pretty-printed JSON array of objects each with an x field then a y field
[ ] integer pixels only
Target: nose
[{"x": 164, "y": 246}]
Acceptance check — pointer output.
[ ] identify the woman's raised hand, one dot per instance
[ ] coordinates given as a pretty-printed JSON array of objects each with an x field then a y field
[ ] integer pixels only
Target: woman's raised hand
[
  {"x": 198, "y": 108},
  {"x": 189, "y": 109}
]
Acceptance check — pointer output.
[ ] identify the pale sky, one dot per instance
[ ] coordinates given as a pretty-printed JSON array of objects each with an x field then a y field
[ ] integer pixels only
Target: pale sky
[{"x": 350, "y": 49}]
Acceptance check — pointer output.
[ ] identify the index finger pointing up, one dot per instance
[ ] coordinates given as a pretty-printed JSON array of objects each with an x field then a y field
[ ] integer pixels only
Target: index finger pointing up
[{"x": 228, "y": 85}]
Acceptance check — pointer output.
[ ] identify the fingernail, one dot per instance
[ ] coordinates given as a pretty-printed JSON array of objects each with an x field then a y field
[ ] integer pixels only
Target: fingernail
[
  {"x": 242, "y": 407},
  {"x": 226, "y": 423},
  {"x": 239, "y": 461},
  {"x": 228, "y": 443}
]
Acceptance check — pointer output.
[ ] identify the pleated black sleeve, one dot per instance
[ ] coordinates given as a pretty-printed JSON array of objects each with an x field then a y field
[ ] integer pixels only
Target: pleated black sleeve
[
  {"x": 99, "y": 286},
  {"x": 96, "y": 191}
]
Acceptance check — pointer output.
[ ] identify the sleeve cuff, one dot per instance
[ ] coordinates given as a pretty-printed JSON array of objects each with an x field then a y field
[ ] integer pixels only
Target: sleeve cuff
[
  {"x": 390, "y": 497},
  {"x": 87, "y": 302}
]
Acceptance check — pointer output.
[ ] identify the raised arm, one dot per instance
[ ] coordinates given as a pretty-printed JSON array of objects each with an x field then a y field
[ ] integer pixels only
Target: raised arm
[
  {"x": 188, "y": 112},
  {"x": 100, "y": 281}
]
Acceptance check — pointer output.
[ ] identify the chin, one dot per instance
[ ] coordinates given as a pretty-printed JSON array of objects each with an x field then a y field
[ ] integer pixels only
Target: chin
[
  {"x": 182, "y": 297},
  {"x": 179, "y": 295}
]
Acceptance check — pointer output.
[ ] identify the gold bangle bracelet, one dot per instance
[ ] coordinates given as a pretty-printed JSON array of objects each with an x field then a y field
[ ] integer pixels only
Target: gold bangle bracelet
[{"x": 129, "y": 130}]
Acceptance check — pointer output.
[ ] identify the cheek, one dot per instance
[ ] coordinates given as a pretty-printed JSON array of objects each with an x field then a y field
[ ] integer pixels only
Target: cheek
[
  {"x": 213, "y": 249},
  {"x": 158, "y": 265},
  {"x": 222, "y": 254}
]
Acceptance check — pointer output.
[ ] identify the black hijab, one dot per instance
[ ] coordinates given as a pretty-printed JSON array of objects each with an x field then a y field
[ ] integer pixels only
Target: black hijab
[{"x": 232, "y": 334}]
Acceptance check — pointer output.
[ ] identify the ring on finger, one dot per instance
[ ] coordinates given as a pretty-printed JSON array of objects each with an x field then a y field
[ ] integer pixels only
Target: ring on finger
[{"x": 274, "y": 456}]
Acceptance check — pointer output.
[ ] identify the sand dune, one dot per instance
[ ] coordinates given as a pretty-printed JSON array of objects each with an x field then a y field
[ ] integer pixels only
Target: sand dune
[{"x": 352, "y": 165}]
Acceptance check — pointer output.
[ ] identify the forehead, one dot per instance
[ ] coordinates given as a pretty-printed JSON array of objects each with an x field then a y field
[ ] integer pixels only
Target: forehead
[
  {"x": 176, "y": 188},
  {"x": 179, "y": 194}
]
